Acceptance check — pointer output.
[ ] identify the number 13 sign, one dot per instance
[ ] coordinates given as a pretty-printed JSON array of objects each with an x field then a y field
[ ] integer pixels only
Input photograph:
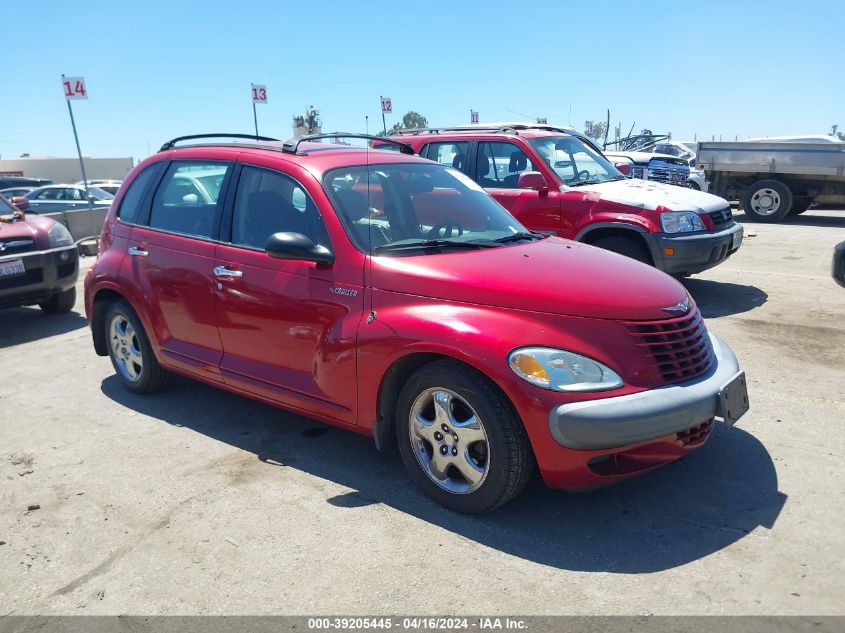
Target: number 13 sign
[
  {"x": 74, "y": 88},
  {"x": 259, "y": 93}
]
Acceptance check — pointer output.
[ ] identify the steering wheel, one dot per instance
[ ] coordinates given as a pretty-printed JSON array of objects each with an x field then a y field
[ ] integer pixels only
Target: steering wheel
[
  {"x": 447, "y": 228},
  {"x": 584, "y": 174}
]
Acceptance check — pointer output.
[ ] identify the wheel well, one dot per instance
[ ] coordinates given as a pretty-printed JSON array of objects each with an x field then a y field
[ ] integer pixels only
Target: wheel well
[
  {"x": 395, "y": 377},
  {"x": 610, "y": 231},
  {"x": 102, "y": 300}
]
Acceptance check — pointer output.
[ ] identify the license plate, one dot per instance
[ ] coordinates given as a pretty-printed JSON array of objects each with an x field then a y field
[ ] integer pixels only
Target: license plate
[
  {"x": 12, "y": 268},
  {"x": 737, "y": 239},
  {"x": 733, "y": 400}
]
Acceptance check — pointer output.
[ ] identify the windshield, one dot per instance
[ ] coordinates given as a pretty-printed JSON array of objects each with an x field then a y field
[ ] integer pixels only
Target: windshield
[
  {"x": 403, "y": 207},
  {"x": 574, "y": 161}
]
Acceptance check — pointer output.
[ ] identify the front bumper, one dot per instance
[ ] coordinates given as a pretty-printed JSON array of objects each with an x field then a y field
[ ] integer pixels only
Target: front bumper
[
  {"x": 693, "y": 253},
  {"x": 47, "y": 273},
  {"x": 647, "y": 415}
]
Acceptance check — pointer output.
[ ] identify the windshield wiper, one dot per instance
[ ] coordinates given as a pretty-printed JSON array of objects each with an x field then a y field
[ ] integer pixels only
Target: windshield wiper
[
  {"x": 522, "y": 235},
  {"x": 581, "y": 183},
  {"x": 433, "y": 244}
]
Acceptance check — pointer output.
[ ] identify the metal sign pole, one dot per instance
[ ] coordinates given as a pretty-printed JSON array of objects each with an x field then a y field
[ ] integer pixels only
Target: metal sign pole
[
  {"x": 255, "y": 120},
  {"x": 82, "y": 167}
]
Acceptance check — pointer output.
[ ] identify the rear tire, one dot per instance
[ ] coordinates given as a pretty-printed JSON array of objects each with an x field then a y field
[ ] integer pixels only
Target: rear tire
[
  {"x": 60, "y": 303},
  {"x": 799, "y": 205},
  {"x": 624, "y": 245},
  {"x": 490, "y": 461},
  {"x": 767, "y": 201},
  {"x": 130, "y": 351}
]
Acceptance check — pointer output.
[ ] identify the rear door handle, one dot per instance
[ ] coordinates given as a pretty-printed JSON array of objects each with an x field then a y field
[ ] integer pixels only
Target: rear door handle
[
  {"x": 221, "y": 272},
  {"x": 137, "y": 252}
]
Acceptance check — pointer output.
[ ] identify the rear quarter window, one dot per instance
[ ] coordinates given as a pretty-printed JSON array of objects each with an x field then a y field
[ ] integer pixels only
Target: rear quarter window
[{"x": 133, "y": 200}]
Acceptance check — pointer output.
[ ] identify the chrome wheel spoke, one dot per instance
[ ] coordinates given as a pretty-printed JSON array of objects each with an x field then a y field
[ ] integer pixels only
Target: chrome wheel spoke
[
  {"x": 125, "y": 348},
  {"x": 438, "y": 465},
  {"x": 423, "y": 428},
  {"x": 443, "y": 408},
  {"x": 470, "y": 431},
  {"x": 471, "y": 471}
]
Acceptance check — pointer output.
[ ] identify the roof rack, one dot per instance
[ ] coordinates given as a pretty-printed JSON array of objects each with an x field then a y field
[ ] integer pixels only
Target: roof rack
[
  {"x": 510, "y": 128},
  {"x": 253, "y": 137},
  {"x": 292, "y": 146}
]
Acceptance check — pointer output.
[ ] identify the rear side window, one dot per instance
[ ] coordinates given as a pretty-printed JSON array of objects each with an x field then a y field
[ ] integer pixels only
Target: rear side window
[
  {"x": 186, "y": 200},
  {"x": 451, "y": 154},
  {"x": 269, "y": 202},
  {"x": 130, "y": 207}
]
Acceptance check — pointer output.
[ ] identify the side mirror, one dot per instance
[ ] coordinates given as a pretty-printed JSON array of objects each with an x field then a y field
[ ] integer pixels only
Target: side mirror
[
  {"x": 21, "y": 202},
  {"x": 191, "y": 200},
  {"x": 839, "y": 264},
  {"x": 299, "y": 247},
  {"x": 532, "y": 180},
  {"x": 624, "y": 168}
]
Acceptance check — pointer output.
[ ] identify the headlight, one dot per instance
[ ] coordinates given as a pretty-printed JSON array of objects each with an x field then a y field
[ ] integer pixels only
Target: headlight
[
  {"x": 60, "y": 236},
  {"x": 681, "y": 222},
  {"x": 559, "y": 370}
]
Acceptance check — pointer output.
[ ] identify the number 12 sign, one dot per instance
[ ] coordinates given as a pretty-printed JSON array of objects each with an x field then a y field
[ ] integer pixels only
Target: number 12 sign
[
  {"x": 259, "y": 93},
  {"x": 74, "y": 88}
]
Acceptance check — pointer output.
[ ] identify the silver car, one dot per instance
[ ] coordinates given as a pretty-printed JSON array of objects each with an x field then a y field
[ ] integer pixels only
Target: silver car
[{"x": 65, "y": 198}]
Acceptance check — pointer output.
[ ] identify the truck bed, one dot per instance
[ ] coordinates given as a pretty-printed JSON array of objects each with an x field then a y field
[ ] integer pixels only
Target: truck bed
[{"x": 816, "y": 159}]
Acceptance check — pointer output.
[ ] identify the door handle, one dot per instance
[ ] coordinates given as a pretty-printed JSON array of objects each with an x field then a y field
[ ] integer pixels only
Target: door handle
[
  {"x": 221, "y": 272},
  {"x": 137, "y": 252}
]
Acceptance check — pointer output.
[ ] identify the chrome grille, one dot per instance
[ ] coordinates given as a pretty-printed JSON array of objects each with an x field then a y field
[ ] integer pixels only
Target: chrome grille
[
  {"x": 675, "y": 349},
  {"x": 12, "y": 245}
]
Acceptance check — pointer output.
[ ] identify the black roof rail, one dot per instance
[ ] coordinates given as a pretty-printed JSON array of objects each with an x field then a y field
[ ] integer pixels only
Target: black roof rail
[
  {"x": 292, "y": 146},
  {"x": 505, "y": 129},
  {"x": 253, "y": 137}
]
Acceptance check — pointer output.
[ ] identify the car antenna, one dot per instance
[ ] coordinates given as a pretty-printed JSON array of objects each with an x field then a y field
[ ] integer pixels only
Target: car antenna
[{"x": 371, "y": 317}]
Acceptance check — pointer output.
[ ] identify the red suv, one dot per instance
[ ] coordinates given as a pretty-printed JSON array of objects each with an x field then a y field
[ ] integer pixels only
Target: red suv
[
  {"x": 391, "y": 296},
  {"x": 555, "y": 181}
]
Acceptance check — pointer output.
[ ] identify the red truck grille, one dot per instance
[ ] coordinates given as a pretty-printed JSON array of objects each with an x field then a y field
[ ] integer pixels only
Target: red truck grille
[{"x": 676, "y": 349}]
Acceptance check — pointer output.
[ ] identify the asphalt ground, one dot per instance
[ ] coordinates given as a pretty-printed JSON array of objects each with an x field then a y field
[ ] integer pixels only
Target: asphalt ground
[{"x": 196, "y": 501}]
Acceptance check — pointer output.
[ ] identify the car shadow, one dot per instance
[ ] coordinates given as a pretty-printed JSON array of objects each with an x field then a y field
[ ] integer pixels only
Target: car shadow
[
  {"x": 812, "y": 217},
  {"x": 23, "y": 325},
  {"x": 720, "y": 298},
  {"x": 667, "y": 518}
]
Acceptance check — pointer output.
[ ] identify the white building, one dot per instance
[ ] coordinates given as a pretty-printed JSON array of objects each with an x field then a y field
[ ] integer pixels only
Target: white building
[{"x": 64, "y": 170}]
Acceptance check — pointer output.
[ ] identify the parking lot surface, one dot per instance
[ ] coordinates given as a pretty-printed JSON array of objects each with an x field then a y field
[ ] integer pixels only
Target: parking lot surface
[{"x": 199, "y": 501}]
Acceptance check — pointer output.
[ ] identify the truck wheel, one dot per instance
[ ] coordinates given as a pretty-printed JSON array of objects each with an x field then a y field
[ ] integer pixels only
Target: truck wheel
[
  {"x": 799, "y": 205},
  {"x": 694, "y": 185},
  {"x": 460, "y": 438},
  {"x": 767, "y": 201},
  {"x": 60, "y": 303},
  {"x": 130, "y": 352},
  {"x": 624, "y": 245}
]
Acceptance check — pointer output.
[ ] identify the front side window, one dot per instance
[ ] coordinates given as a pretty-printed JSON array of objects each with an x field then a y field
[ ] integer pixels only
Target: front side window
[
  {"x": 573, "y": 161},
  {"x": 186, "y": 200},
  {"x": 452, "y": 154},
  {"x": 73, "y": 194},
  {"x": 500, "y": 164},
  {"x": 400, "y": 208},
  {"x": 269, "y": 202}
]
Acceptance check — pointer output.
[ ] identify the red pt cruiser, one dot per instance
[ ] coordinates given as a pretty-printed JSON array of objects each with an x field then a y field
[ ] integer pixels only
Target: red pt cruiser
[{"x": 389, "y": 295}]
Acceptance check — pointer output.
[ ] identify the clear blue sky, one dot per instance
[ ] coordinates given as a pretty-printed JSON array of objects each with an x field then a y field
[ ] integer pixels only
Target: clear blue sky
[{"x": 161, "y": 69}]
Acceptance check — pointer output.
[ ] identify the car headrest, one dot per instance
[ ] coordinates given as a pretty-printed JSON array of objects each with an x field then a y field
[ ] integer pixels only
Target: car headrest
[{"x": 519, "y": 161}]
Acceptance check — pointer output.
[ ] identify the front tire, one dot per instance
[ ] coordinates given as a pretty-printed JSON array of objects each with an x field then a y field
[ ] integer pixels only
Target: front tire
[
  {"x": 624, "y": 245},
  {"x": 461, "y": 439},
  {"x": 130, "y": 352},
  {"x": 767, "y": 201},
  {"x": 60, "y": 303}
]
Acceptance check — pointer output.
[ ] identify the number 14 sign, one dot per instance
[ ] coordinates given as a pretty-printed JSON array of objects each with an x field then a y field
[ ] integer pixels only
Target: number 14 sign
[{"x": 74, "y": 88}]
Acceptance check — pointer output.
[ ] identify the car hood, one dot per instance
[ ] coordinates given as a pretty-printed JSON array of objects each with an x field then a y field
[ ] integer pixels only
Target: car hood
[
  {"x": 647, "y": 194},
  {"x": 553, "y": 275}
]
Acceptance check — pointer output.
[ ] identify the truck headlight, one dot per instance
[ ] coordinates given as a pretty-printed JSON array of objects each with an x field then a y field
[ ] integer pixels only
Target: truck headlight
[
  {"x": 559, "y": 370},
  {"x": 59, "y": 236},
  {"x": 681, "y": 222}
]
